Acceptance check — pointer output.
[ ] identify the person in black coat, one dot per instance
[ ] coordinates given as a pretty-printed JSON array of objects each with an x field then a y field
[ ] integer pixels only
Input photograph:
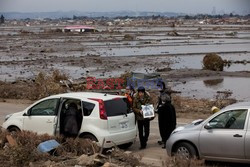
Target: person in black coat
[
  {"x": 70, "y": 121},
  {"x": 166, "y": 114}
]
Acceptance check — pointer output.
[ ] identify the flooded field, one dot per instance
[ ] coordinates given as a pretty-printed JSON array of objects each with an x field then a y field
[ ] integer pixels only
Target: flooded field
[
  {"x": 232, "y": 87},
  {"x": 27, "y": 50},
  {"x": 195, "y": 62}
]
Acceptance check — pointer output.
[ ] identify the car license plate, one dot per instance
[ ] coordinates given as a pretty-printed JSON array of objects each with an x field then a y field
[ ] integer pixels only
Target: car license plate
[{"x": 124, "y": 125}]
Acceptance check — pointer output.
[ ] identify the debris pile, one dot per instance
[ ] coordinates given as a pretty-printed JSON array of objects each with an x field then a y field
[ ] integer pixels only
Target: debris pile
[
  {"x": 199, "y": 108},
  {"x": 228, "y": 63},
  {"x": 128, "y": 37},
  {"x": 213, "y": 82},
  {"x": 164, "y": 69},
  {"x": 231, "y": 33},
  {"x": 173, "y": 33},
  {"x": 43, "y": 85},
  {"x": 180, "y": 162},
  {"x": 21, "y": 149},
  {"x": 213, "y": 62}
]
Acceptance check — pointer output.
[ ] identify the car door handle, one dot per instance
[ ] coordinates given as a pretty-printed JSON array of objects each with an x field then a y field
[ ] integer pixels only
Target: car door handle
[
  {"x": 237, "y": 135},
  {"x": 49, "y": 121}
]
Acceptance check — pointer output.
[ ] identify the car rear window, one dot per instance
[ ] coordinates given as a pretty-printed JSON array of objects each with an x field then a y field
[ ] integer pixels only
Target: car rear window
[{"x": 118, "y": 106}]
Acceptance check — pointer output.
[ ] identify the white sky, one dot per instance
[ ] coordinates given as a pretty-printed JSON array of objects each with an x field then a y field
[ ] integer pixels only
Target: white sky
[{"x": 182, "y": 6}]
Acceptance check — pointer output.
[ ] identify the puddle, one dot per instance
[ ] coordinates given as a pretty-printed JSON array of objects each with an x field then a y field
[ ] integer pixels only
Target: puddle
[
  {"x": 12, "y": 73},
  {"x": 195, "y": 62},
  {"x": 208, "y": 88}
]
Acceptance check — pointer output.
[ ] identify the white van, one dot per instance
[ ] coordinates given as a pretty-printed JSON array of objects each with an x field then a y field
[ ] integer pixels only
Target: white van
[{"x": 100, "y": 117}]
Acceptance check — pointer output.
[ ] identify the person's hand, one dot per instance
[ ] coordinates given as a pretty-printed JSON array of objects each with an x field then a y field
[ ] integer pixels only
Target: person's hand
[{"x": 141, "y": 112}]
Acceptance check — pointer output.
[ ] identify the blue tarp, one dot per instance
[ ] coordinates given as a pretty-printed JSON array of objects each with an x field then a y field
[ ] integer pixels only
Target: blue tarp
[
  {"x": 47, "y": 146},
  {"x": 149, "y": 81}
]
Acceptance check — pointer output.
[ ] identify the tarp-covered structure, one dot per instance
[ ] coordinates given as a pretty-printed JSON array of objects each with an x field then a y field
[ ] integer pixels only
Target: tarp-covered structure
[{"x": 149, "y": 81}]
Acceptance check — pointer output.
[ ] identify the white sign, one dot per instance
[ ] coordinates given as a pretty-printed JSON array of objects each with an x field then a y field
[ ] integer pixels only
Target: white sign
[{"x": 148, "y": 111}]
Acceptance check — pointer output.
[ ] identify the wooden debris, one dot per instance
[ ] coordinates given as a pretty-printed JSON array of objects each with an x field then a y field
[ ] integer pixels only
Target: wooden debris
[{"x": 11, "y": 141}]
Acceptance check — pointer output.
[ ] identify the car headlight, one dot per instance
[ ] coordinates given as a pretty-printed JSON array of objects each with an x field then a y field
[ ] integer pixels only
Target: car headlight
[
  {"x": 7, "y": 117},
  {"x": 178, "y": 129}
]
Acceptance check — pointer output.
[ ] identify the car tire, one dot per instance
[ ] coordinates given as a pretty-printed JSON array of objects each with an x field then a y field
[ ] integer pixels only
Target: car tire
[
  {"x": 185, "y": 150},
  {"x": 14, "y": 129},
  {"x": 90, "y": 137},
  {"x": 125, "y": 146}
]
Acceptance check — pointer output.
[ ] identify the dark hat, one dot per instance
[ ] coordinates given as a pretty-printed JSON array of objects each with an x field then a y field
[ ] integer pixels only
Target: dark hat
[
  {"x": 141, "y": 89},
  {"x": 161, "y": 84}
]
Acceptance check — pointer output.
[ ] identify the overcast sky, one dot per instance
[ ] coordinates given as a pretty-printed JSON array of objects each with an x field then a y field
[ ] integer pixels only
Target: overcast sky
[{"x": 183, "y": 6}]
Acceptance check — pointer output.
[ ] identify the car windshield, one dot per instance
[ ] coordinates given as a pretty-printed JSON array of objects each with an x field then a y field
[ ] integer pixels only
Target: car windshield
[{"x": 118, "y": 106}]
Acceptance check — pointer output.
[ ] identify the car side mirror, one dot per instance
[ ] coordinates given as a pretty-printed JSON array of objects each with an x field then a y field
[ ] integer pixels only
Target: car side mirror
[
  {"x": 208, "y": 126},
  {"x": 27, "y": 113}
]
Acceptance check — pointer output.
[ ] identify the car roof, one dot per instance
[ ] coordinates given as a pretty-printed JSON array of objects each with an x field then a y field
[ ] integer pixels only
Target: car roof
[
  {"x": 243, "y": 105},
  {"x": 84, "y": 95}
]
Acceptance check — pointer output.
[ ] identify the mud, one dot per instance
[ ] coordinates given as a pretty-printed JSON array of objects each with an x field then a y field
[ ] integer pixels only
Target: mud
[{"x": 136, "y": 47}]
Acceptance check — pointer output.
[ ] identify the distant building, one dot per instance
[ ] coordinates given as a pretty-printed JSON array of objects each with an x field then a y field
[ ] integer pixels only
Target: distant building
[{"x": 79, "y": 29}]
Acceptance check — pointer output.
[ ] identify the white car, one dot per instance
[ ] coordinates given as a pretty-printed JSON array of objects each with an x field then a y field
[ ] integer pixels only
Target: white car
[{"x": 100, "y": 117}]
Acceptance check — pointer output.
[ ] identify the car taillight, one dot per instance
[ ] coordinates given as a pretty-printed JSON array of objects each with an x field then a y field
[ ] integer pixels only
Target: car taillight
[{"x": 102, "y": 111}]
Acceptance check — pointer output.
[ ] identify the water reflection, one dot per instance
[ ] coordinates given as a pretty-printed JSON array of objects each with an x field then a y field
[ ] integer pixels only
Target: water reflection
[
  {"x": 237, "y": 87},
  {"x": 213, "y": 82},
  {"x": 195, "y": 62}
]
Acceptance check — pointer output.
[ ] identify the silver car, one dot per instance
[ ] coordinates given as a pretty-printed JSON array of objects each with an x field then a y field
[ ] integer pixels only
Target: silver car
[{"x": 224, "y": 136}]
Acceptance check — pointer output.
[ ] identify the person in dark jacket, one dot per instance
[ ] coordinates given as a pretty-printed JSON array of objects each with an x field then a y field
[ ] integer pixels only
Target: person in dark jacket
[
  {"x": 142, "y": 98},
  {"x": 166, "y": 114},
  {"x": 70, "y": 121}
]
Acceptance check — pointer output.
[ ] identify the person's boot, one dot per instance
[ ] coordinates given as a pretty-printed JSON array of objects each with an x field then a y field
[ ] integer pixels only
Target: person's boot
[
  {"x": 160, "y": 142},
  {"x": 164, "y": 146},
  {"x": 143, "y": 146}
]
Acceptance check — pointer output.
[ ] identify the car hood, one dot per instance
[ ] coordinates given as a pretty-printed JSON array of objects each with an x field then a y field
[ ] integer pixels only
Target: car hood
[
  {"x": 193, "y": 125},
  {"x": 17, "y": 114}
]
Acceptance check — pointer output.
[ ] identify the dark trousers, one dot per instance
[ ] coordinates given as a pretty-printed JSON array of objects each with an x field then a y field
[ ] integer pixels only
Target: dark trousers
[{"x": 143, "y": 128}]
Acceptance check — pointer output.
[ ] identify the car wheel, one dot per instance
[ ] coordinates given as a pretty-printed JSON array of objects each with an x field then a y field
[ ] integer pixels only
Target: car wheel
[
  {"x": 90, "y": 137},
  {"x": 14, "y": 129},
  {"x": 185, "y": 150},
  {"x": 125, "y": 146}
]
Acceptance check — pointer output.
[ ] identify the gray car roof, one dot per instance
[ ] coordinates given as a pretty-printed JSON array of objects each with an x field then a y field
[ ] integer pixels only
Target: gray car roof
[{"x": 238, "y": 105}]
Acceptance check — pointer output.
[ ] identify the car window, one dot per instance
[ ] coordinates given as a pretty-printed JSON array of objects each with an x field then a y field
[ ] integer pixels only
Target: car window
[
  {"x": 234, "y": 119},
  {"x": 117, "y": 107},
  {"x": 87, "y": 108},
  {"x": 46, "y": 107}
]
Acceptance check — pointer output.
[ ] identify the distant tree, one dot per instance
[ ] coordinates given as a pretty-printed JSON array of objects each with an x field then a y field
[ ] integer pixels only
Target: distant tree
[
  {"x": 187, "y": 17},
  {"x": 231, "y": 15},
  {"x": 2, "y": 19}
]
